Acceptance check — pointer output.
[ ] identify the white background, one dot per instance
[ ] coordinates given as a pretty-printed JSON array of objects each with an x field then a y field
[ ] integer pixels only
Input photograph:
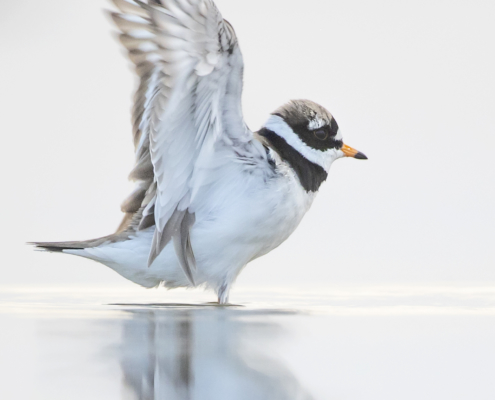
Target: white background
[{"x": 411, "y": 84}]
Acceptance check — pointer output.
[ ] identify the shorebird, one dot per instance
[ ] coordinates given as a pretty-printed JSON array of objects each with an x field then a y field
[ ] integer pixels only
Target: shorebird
[{"x": 210, "y": 194}]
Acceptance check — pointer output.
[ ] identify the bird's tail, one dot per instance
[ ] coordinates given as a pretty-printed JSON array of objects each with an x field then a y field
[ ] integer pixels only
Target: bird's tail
[{"x": 59, "y": 247}]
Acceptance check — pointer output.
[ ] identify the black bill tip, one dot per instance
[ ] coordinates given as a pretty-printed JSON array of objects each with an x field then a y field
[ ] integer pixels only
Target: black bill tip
[{"x": 360, "y": 156}]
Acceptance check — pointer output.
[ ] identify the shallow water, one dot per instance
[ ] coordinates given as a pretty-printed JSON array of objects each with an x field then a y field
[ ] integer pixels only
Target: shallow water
[{"x": 334, "y": 343}]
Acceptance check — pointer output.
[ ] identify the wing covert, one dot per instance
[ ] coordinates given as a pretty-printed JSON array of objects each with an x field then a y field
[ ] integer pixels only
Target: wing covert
[{"x": 187, "y": 106}]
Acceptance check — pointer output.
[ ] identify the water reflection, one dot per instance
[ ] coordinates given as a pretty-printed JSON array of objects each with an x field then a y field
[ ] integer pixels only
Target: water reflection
[{"x": 205, "y": 353}]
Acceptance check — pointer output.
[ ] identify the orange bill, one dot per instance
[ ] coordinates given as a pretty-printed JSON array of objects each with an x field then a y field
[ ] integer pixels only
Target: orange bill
[{"x": 350, "y": 152}]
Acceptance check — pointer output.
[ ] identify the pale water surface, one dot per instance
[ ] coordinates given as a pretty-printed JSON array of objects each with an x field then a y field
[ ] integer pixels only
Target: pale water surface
[{"x": 337, "y": 343}]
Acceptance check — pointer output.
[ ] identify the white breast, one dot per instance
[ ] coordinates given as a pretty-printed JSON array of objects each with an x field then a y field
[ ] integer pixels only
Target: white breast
[
  {"x": 238, "y": 219},
  {"x": 284, "y": 206}
]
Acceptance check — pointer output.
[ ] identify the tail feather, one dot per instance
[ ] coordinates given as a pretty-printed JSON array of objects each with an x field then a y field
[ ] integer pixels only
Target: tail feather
[{"x": 59, "y": 247}]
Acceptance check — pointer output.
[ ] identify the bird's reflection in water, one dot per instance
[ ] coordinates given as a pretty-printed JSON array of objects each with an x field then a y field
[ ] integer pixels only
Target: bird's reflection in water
[{"x": 203, "y": 354}]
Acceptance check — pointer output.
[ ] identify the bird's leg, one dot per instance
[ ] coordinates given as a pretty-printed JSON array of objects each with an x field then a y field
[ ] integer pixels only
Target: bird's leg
[{"x": 223, "y": 293}]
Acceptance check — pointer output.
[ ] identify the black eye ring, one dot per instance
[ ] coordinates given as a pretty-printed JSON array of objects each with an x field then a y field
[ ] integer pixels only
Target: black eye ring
[{"x": 321, "y": 134}]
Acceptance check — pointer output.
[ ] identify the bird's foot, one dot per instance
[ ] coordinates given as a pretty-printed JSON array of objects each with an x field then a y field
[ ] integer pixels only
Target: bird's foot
[{"x": 223, "y": 294}]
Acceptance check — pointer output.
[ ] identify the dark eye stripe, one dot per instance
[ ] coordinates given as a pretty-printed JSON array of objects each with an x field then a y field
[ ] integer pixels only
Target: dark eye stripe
[
  {"x": 300, "y": 126},
  {"x": 310, "y": 138},
  {"x": 333, "y": 126}
]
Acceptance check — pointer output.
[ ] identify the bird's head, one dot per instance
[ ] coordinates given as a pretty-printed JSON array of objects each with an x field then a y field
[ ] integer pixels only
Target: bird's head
[{"x": 306, "y": 135}]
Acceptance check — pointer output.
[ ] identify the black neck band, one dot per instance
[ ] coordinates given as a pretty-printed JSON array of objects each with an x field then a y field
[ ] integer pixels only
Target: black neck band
[{"x": 310, "y": 175}]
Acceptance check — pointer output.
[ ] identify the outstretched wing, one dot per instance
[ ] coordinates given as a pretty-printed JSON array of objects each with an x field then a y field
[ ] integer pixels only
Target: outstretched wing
[{"x": 187, "y": 107}]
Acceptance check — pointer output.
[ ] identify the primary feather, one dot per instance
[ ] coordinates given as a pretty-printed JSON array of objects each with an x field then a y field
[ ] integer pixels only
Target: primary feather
[{"x": 187, "y": 111}]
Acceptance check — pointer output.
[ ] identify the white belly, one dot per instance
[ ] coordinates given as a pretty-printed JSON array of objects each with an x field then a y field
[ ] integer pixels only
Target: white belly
[{"x": 234, "y": 225}]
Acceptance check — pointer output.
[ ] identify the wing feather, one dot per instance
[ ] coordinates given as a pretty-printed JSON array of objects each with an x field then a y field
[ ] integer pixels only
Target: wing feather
[{"x": 187, "y": 106}]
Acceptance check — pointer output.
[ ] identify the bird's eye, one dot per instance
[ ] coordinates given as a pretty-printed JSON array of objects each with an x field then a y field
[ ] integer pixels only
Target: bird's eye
[{"x": 321, "y": 134}]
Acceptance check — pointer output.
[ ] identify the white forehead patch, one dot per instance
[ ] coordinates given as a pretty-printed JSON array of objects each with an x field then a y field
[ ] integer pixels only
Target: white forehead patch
[
  {"x": 323, "y": 158},
  {"x": 316, "y": 123}
]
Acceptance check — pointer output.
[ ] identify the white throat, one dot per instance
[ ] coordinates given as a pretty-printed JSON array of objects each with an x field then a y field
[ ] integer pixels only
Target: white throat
[{"x": 323, "y": 158}]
